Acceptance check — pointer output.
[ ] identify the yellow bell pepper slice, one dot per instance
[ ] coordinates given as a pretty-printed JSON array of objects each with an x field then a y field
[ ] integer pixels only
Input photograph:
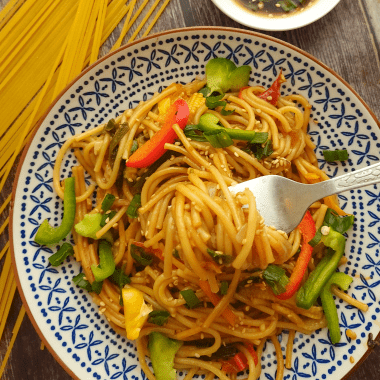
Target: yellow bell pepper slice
[{"x": 136, "y": 311}]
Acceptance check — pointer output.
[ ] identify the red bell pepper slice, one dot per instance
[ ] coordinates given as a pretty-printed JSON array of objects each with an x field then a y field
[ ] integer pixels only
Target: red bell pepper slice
[
  {"x": 308, "y": 230},
  {"x": 241, "y": 91},
  {"x": 239, "y": 362},
  {"x": 273, "y": 91},
  {"x": 153, "y": 149}
]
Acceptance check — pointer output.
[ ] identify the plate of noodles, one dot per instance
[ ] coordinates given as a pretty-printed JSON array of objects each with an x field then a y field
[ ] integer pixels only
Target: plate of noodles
[{"x": 162, "y": 259}]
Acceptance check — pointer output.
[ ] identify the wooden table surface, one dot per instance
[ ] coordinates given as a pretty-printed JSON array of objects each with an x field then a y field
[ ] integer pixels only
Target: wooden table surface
[{"x": 347, "y": 40}]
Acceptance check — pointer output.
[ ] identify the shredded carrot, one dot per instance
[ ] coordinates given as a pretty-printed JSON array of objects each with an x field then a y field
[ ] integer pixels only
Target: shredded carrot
[
  {"x": 227, "y": 313},
  {"x": 329, "y": 202}
]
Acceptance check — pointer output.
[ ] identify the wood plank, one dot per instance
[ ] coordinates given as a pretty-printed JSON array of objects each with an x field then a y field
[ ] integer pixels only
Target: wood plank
[{"x": 347, "y": 40}]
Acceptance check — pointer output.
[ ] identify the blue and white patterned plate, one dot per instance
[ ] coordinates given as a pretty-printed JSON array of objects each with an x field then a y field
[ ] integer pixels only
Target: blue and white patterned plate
[{"x": 66, "y": 318}]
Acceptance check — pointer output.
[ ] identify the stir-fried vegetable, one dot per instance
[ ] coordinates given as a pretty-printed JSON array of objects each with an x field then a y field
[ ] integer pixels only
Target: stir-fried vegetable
[
  {"x": 136, "y": 311},
  {"x": 343, "y": 281},
  {"x": 276, "y": 278},
  {"x": 335, "y": 155},
  {"x": 49, "y": 235},
  {"x": 311, "y": 289},
  {"x": 154, "y": 148},
  {"x": 90, "y": 225},
  {"x": 108, "y": 202},
  {"x": 162, "y": 352},
  {"x": 134, "y": 206},
  {"x": 191, "y": 298},
  {"x": 158, "y": 317},
  {"x": 59, "y": 257},
  {"x": 106, "y": 266},
  {"x": 307, "y": 229}
]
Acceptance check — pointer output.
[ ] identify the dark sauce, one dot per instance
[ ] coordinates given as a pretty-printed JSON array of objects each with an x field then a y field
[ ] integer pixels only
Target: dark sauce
[{"x": 276, "y": 8}]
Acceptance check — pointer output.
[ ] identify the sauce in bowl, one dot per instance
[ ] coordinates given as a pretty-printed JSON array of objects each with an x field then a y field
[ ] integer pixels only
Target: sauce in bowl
[{"x": 276, "y": 8}]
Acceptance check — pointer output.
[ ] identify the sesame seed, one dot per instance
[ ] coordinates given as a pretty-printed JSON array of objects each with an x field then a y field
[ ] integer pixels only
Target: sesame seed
[{"x": 102, "y": 303}]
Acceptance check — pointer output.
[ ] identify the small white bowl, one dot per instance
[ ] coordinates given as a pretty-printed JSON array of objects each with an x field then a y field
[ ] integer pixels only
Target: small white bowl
[{"x": 242, "y": 15}]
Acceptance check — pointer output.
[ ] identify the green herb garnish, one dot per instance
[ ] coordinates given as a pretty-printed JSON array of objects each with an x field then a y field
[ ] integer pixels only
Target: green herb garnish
[{"x": 158, "y": 317}]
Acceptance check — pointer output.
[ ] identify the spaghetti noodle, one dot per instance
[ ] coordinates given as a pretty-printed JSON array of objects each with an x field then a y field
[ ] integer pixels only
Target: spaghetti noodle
[{"x": 192, "y": 235}]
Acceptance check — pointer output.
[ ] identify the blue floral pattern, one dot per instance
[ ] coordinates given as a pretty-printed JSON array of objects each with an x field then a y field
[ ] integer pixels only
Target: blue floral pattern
[{"x": 65, "y": 314}]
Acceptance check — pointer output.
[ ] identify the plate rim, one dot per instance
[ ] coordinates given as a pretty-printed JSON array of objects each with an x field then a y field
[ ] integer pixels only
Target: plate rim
[{"x": 72, "y": 83}]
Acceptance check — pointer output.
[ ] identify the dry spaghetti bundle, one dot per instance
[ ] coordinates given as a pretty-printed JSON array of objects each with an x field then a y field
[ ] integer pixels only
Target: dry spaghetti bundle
[
  {"x": 193, "y": 237},
  {"x": 66, "y": 36}
]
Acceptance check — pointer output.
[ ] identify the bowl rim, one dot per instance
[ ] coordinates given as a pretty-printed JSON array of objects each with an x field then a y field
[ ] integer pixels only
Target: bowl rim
[
  {"x": 266, "y": 23},
  {"x": 72, "y": 83}
]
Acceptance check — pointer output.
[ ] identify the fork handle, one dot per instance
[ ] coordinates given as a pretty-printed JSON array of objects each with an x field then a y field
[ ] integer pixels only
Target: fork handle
[{"x": 358, "y": 178}]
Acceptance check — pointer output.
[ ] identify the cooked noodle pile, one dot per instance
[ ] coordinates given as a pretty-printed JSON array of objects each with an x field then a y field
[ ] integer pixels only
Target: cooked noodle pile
[{"x": 186, "y": 209}]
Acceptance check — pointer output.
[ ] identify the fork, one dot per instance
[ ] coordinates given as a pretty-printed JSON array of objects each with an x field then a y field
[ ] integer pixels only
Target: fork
[{"x": 283, "y": 202}]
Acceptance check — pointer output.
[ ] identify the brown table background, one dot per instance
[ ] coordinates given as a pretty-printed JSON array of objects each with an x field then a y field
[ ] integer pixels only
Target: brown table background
[{"x": 347, "y": 40}]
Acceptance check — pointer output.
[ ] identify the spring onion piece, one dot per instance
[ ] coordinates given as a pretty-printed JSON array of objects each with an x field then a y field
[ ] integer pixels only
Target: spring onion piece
[
  {"x": 218, "y": 139},
  {"x": 108, "y": 202},
  {"x": 216, "y": 101},
  {"x": 176, "y": 254},
  {"x": 311, "y": 289},
  {"x": 140, "y": 256},
  {"x": 115, "y": 141},
  {"x": 251, "y": 279},
  {"x": 162, "y": 352},
  {"x": 222, "y": 353},
  {"x": 261, "y": 151},
  {"x": 191, "y": 298},
  {"x": 335, "y": 155},
  {"x": 106, "y": 265},
  {"x": 134, "y": 206},
  {"x": 329, "y": 308},
  {"x": 158, "y": 317},
  {"x": 48, "y": 235},
  {"x": 97, "y": 286},
  {"x": 134, "y": 147},
  {"x": 120, "y": 279},
  {"x": 338, "y": 223},
  {"x": 223, "y": 288},
  {"x": 80, "y": 281},
  {"x": 190, "y": 132},
  {"x": 110, "y": 126},
  {"x": 107, "y": 217},
  {"x": 287, "y": 5},
  {"x": 219, "y": 257},
  {"x": 209, "y": 122},
  {"x": 58, "y": 258},
  {"x": 276, "y": 278}
]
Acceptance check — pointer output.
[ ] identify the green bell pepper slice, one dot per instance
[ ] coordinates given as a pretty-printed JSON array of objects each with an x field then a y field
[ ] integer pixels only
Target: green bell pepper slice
[
  {"x": 162, "y": 352},
  {"x": 106, "y": 265},
  {"x": 312, "y": 288},
  {"x": 48, "y": 235},
  {"x": 343, "y": 281}
]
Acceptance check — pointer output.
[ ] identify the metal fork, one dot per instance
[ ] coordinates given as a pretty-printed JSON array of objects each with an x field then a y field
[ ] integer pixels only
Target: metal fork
[{"x": 283, "y": 202}]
